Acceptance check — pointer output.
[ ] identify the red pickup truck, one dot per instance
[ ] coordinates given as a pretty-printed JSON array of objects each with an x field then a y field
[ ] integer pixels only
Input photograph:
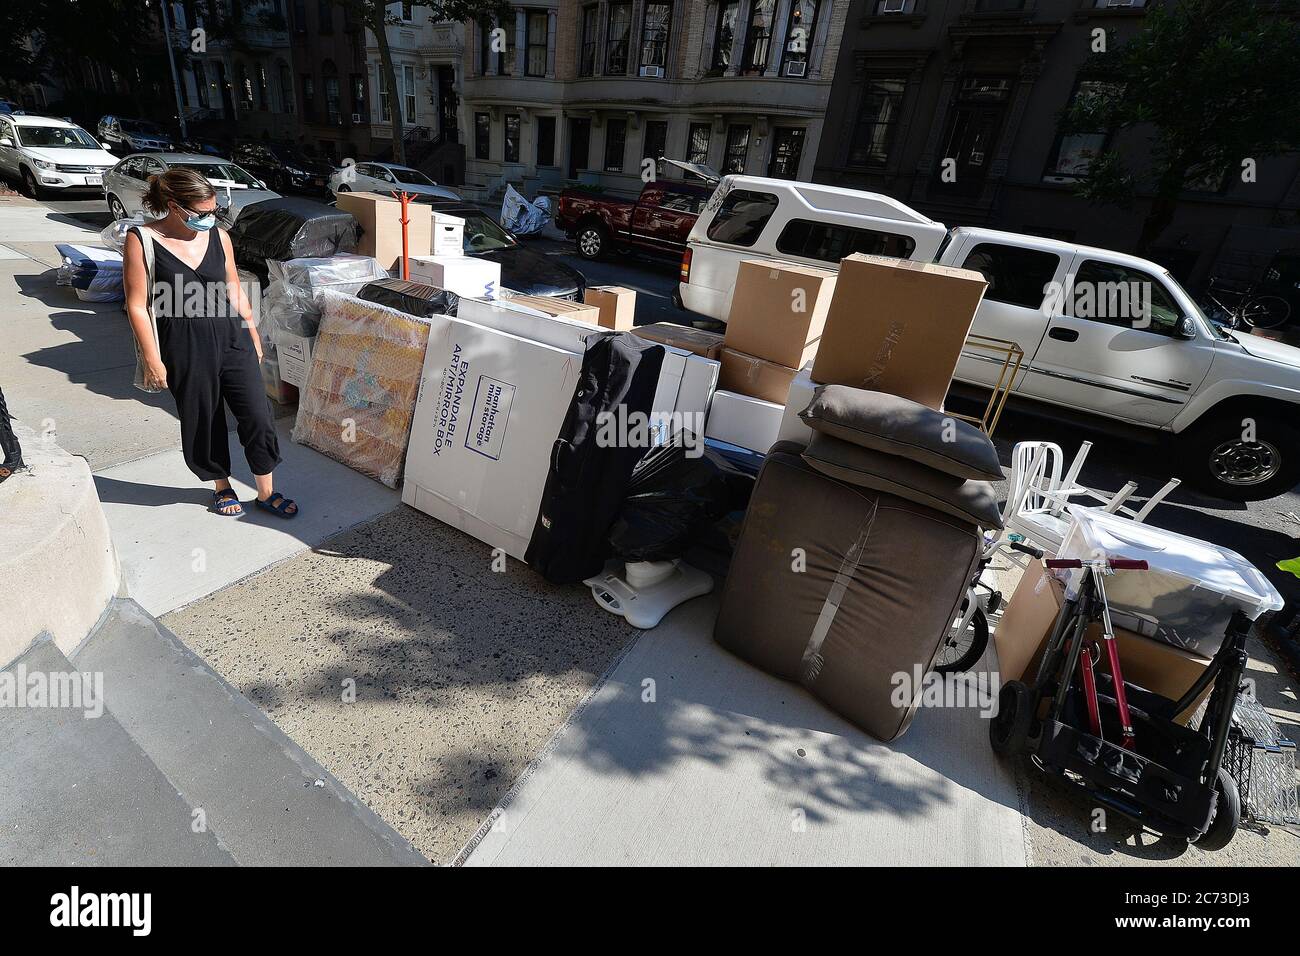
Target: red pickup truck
[{"x": 657, "y": 222}]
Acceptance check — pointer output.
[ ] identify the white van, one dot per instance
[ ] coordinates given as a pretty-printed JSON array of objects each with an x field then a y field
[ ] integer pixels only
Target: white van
[{"x": 752, "y": 217}]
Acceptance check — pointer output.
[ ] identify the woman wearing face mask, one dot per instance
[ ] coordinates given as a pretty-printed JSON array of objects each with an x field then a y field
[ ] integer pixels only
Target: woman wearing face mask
[{"x": 208, "y": 350}]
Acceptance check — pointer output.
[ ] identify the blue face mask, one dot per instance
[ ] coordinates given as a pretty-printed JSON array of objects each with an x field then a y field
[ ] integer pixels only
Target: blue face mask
[{"x": 200, "y": 222}]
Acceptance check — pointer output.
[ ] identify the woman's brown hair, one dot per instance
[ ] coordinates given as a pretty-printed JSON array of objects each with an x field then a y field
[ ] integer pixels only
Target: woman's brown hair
[{"x": 185, "y": 187}]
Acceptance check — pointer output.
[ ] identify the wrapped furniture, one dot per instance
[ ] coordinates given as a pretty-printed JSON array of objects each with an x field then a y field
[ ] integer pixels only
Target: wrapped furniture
[
  {"x": 855, "y": 555},
  {"x": 290, "y": 228},
  {"x": 361, "y": 389}
]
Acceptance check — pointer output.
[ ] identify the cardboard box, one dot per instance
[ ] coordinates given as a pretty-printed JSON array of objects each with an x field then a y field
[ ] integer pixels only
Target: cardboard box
[
  {"x": 489, "y": 409},
  {"x": 741, "y": 420},
  {"x": 697, "y": 341},
  {"x": 617, "y": 306},
  {"x": 778, "y": 310},
  {"x": 756, "y": 377},
  {"x": 1022, "y": 634},
  {"x": 797, "y": 400},
  {"x": 897, "y": 326},
  {"x": 555, "y": 322},
  {"x": 294, "y": 352},
  {"x": 448, "y": 235},
  {"x": 686, "y": 386},
  {"x": 467, "y": 276},
  {"x": 381, "y": 228}
]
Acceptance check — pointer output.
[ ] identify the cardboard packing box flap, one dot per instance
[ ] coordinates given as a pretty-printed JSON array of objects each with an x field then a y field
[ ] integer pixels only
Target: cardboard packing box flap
[
  {"x": 379, "y": 218},
  {"x": 778, "y": 310},
  {"x": 698, "y": 341},
  {"x": 533, "y": 318},
  {"x": 897, "y": 326},
  {"x": 756, "y": 377},
  {"x": 616, "y": 305}
]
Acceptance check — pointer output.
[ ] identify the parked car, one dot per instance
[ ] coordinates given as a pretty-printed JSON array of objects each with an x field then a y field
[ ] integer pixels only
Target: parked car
[
  {"x": 657, "y": 222},
  {"x": 386, "y": 178},
  {"x": 47, "y": 154},
  {"x": 284, "y": 168},
  {"x": 125, "y": 183},
  {"x": 522, "y": 269},
  {"x": 1110, "y": 341},
  {"x": 124, "y": 135}
]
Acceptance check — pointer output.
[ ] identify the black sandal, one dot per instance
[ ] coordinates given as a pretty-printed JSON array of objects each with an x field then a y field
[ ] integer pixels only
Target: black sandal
[
  {"x": 278, "y": 504},
  {"x": 226, "y": 498}
]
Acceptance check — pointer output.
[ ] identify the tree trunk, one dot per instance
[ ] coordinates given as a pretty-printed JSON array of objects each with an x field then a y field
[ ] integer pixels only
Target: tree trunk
[{"x": 390, "y": 81}]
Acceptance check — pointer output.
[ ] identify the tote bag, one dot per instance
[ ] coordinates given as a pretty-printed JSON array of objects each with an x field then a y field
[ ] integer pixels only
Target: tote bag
[{"x": 146, "y": 245}]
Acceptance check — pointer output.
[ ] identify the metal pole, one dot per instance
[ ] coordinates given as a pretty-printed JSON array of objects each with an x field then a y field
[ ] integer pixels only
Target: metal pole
[{"x": 171, "y": 59}]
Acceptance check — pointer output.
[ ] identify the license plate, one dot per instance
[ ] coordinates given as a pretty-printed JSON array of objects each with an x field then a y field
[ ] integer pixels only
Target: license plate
[{"x": 94, "y": 180}]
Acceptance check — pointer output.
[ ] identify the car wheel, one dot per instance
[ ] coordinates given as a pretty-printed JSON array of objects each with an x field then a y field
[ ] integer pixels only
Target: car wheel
[
  {"x": 30, "y": 184},
  {"x": 344, "y": 189},
  {"x": 1243, "y": 458},
  {"x": 116, "y": 208},
  {"x": 592, "y": 240}
]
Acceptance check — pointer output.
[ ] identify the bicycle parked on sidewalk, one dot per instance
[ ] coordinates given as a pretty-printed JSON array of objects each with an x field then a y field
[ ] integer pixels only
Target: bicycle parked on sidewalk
[{"x": 1242, "y": 308}]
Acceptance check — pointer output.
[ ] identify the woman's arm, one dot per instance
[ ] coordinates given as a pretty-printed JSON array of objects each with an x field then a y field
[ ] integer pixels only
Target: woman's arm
[
  {"x": 237, "y": 297},
  {"x": 135, "y": 278}
]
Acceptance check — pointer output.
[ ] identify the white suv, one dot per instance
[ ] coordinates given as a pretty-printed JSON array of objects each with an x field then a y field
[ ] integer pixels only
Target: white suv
[{"x": 51, "y": 154}]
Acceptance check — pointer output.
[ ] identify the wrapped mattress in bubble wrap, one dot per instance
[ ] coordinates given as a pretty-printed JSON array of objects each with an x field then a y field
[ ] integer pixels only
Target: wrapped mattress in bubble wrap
[
  {"x": 361, "y": 390},
  {"x": 94, "y": 274},
  {"x": 289, "y": 301}
]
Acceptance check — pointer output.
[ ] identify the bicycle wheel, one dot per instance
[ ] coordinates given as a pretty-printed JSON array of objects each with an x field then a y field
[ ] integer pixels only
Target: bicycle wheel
[
  {"x": 1265, "y": 311},
  {"x": 960, "y": 651}
]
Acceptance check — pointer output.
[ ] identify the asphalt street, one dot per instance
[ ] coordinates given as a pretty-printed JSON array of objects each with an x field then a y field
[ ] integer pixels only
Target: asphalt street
[{"x": 1261, "y": 531}]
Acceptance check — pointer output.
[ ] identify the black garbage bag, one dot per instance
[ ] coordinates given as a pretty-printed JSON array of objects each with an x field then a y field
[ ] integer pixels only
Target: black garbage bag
[
  {"x": 290, "y": 228},
  {"x": 413, "y": 298},
  {"x": 673, "y": 499}
]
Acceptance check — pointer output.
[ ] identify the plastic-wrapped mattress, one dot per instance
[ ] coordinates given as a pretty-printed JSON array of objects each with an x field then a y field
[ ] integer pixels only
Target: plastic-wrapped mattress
[
  {"x": 361, "y": 390},
  {"x": 290, "y": 228},
  {"x": 94, "y": 274}
]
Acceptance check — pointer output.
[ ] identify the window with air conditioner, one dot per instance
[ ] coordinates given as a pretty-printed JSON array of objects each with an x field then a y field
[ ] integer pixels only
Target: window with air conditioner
[
  {"x": 894, "y": 6},
  {"x": 799, "y": 37},
  {"x": 655, "y": 20}
]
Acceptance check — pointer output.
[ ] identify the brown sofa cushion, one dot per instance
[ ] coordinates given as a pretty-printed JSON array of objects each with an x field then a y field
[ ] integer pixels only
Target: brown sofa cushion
[
  {"x": 868, "y": 468},
  {"x": 900, "y": 426}
]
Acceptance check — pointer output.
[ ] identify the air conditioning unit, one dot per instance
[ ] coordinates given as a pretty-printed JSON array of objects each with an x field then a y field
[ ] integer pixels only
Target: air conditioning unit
[
  {"x": 1119, "y": 3},
  {"x": 356, "y": 118},
  {"x": 655, "y": 72},
  {"x": 893, "y": 6},
  {"x": 796, "y": 68}
]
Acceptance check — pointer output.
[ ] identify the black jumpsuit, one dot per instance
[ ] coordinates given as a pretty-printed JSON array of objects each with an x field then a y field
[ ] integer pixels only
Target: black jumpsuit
[{"x": 209, "y": 356}]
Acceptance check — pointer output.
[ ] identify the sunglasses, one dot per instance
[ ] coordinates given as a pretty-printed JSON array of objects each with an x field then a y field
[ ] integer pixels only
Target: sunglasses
[{"x": 218, "y": 211}]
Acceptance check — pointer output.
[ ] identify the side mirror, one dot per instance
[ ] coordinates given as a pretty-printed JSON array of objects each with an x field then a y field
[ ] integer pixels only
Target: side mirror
[
  {"x": 1186, "y": 328},
  {"x": 108, "y": 147}
]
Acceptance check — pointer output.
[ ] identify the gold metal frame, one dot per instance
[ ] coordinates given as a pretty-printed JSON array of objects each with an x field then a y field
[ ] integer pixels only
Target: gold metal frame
[{"x": 1013, "y": 358}]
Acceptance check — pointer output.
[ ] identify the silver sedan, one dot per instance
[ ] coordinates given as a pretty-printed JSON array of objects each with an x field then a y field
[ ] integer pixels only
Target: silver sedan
[{"x": 125, "y": 184}]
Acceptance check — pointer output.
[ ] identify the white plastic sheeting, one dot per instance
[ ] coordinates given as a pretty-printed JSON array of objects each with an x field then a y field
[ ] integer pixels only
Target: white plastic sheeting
[{"x": 522, "y": 217}]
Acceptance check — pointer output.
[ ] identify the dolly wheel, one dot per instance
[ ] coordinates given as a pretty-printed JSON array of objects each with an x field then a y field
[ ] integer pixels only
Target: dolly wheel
[
  {"x": 1009, "y": 730},
  {"x": 1227, "y": 814}
]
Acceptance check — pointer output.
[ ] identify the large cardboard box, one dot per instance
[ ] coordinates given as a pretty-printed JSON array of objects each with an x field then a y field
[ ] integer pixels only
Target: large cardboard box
[
  {"x": 756, "y": 377},
  {"x": 740, "y": 420},
  {"x": 468, "y": 276},
  {"x": 897, "y": 326},
  {"x": 797, "y": 400},
  {"x": 778, "y": 310},
  {"x": 381, "y": 228},
  {"x": 617, "y": 306},
  {"x": 448, "y": 235},
  {"x": 555, "y": 322},
  {"x": 1022, "y": 634},
  {"x": 697, "y": 341},
  {"x": 489, "y": 410},
  {"x": 686, "y": 386}
]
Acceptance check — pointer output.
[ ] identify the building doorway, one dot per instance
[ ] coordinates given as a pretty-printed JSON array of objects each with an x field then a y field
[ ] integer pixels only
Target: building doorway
[
  {"x": 972, "y": 137},
  {"x": 579, "y": 146},
  {"x": 448, "y": 104}
]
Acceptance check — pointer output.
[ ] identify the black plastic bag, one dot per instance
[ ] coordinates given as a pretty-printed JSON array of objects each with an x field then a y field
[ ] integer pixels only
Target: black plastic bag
[
  {"x": 672, "y": 500},
  {"x": 413, "y": 298},
  {"x": 290, "y": 228}
]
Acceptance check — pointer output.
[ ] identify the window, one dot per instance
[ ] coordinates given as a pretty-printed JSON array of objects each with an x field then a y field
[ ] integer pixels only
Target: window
[
  {"x": 245, "y": 89},
  {"x": 697, "y": 144},
  {"x": 286, "y": 88},
  {"x": 484, "y": 46},
  {"x": 546, "y": 141},
  {"x": 998, "y": 6},
  {"x": 882, "y": 99},
  {"x": 1117, "y": 295},
  {"x": 482, "y": 135},
  {"x": 201, "y": 85},
  {"x": 886, "y": 7},
  {"x": 506, "y": 58},
  {"x": 308, "y": 87},
  {"x": 799, "y": 36},
  {"x": 617, "y": 37},
  {"x": 682, "y": 202},
  {"x": 512, "y": 138},
  {"x": 737, "y": 149},
  {"x": 615, "y": 144},
  {"x": 724, "y": 35},
  {"x": 332, "y": 100},
  {"x": 263, "y": 87},
  {"x": 1015, "y": 276},
  {"x": 758, "y": 36},
  {"x": 408, "y": 90},
  {"x": 1074, "y": 153},
  {"x": 300, "y": 16},
  {"x": 325, "y": 17},
  {"x": 408, "y": 12},
  {"x": 741, "y": 217},
  {"x": 787, "y": 150},
  {"x": 535, "y": 65},
  {"x": 590, "y": 30},
  {"x": 358, "y": 94},
  {"x": 654, "y": 34},
  {"x": 831, "y": 243},
  {"x": 654, "y": 140}
]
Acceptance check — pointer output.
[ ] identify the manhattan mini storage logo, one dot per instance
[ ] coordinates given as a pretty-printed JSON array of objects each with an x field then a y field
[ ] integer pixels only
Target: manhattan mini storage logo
[{"x": 75, "y": 909}]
